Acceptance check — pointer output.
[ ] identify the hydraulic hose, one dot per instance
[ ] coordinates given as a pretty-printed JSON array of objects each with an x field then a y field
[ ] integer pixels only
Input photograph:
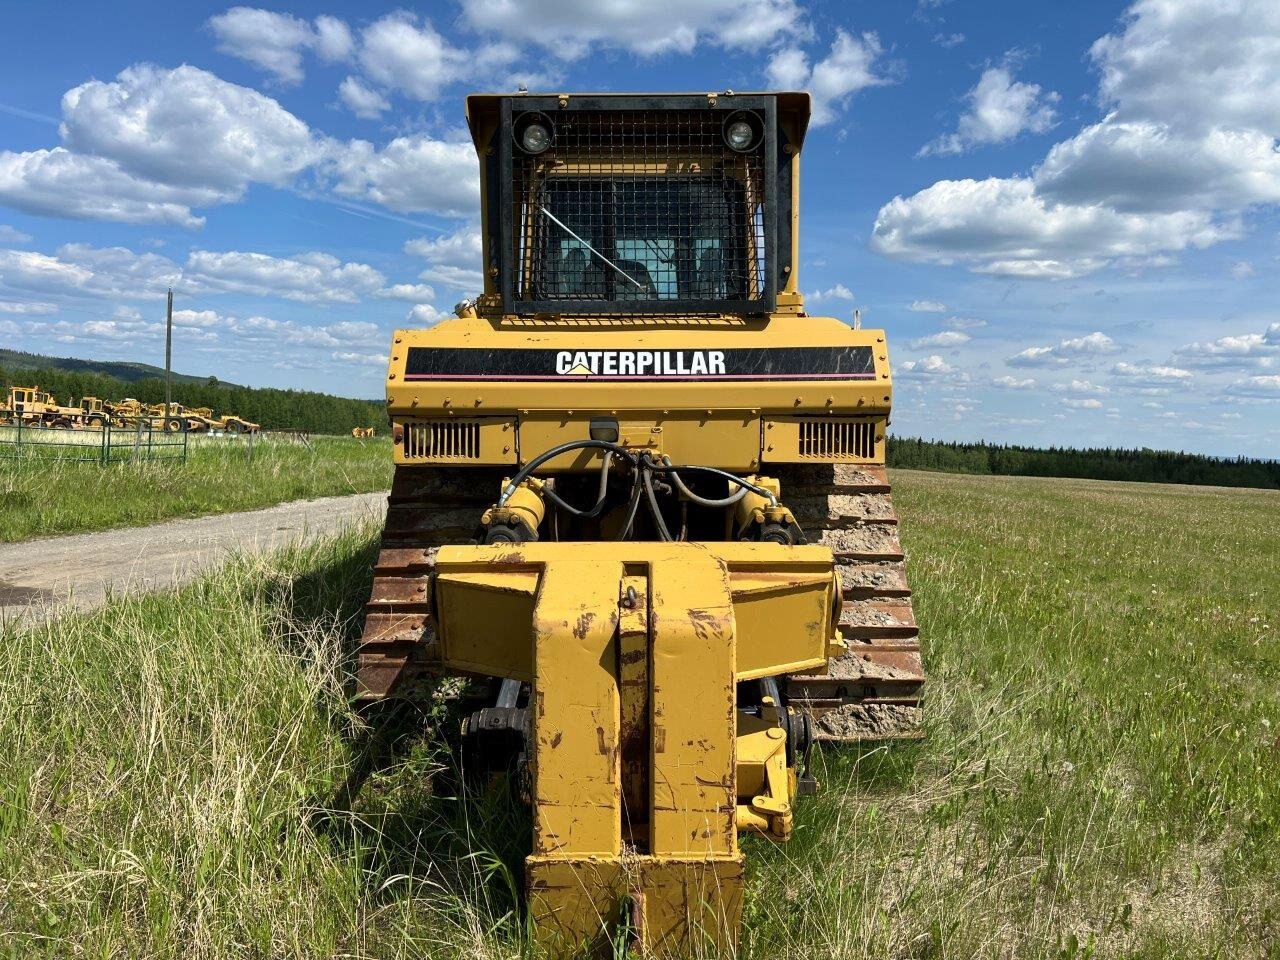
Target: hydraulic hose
[
  {"x": 523, "y": 473},
  {"x": 728, "y": 501},
  {"x": 665, "y": 467}
]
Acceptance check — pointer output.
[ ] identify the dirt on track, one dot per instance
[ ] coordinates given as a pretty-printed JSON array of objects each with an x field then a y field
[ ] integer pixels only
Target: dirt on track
[{"x": 39, "y": 577}]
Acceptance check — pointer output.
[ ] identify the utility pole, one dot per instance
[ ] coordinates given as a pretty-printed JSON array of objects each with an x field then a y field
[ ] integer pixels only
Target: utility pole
[{"x": 168, "y": 357}]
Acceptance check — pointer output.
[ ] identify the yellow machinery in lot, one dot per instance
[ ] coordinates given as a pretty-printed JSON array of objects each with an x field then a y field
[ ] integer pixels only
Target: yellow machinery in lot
[
  {"x": 640, "y": 502},
  {"x": 32, "y": 406}
]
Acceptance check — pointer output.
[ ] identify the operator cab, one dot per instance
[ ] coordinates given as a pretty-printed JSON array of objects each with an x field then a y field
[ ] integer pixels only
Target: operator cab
[{"x": 665, "y": 204}]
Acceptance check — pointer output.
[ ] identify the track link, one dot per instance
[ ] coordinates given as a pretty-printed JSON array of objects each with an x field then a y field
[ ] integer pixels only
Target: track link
[
  {"x": 428, "y": 507},
  {"x": 873, "y": 691}
]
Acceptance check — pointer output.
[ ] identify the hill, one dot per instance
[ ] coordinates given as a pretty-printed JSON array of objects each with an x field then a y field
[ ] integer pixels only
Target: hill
[{"x": 126, "y": 370}]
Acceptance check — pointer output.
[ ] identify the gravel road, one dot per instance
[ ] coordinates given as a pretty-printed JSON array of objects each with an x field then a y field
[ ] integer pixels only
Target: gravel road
[{"x": 42, "y": 576}]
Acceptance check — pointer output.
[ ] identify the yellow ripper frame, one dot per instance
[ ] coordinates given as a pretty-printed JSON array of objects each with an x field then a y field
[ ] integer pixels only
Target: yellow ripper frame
[{"x": 644, "y": 769}]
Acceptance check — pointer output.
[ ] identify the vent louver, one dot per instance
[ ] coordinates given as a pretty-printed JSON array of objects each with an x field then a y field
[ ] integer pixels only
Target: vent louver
[
  {"x": 831, "y": 439},
  {"x": 442, "y": 440}
]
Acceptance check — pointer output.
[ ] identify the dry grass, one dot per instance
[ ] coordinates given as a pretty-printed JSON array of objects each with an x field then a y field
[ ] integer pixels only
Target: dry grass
[{"x": 1098, "y": 777}]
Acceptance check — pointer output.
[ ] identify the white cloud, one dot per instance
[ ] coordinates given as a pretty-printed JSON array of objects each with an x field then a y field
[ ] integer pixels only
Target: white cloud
[
  {"x": 1002, "y": 226},
  {"x": 333, "y": 41},
  {"x": 410, "y": 174},
  {"x": 1233, "y": 352},
  {"x": 1154, "y": 374},
  {"x": 276, "y": 41},
  {"x": 947, "y": 338},
  {"x": 838, "y": 292},
  {"x": 78, "y": 270},
  {"x": 1089, "y": 404},
  {"x": 1080, "y": 387},
  {"x": 363, "y": 101},
  {"x": 1188, "y": 144},
  {"x": 963, "y": 323},
  {"x": 272, "y": 41},
  {"x": 10, "y": 234},
  {"x": 33, "y": 308},
  {"x": 948, "y": 40},
  {"x": 402, "y": 53},
  {"x": 850, "y": 66},
  {"x": 60, "y": 183},
  {"x": 927, "y": 306},
  {"x": 1265, "y": 387},
  {"x": 306, "y": 277},
  {"x": 187, "y": 128},
  {"x": 932, "y": 367},
  {"x": 453, "y": 260},
  {"x": 412, "y": 292},
  {"x": 1091, "y": 345},
  {"x": 1242, "y": 270},
  {"x": 999, "y": 109},
  {"x": 1013, "y": 383},
  {"x": 425, "y": 314},
  {"x": 569, "y": 28}
]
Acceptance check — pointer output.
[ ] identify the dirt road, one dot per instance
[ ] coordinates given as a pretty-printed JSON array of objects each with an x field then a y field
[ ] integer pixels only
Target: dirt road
[{"x": 41, "y": 576}]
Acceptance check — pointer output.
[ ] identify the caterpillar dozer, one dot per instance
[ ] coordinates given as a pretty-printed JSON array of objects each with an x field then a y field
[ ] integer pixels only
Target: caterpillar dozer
[{"x": 640, "y": 504}]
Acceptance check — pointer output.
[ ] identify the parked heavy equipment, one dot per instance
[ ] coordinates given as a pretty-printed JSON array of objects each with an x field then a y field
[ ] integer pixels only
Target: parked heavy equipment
[
  {"x": 32, "y": 406},
  {"x": 640, "y": 503},
  {"x": 362, "y": 433}
]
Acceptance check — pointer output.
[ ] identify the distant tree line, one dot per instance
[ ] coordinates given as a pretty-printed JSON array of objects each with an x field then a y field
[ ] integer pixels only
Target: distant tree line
[
  {"x": 1095, "y": 463},
  {"x": 273, "y": 409}
]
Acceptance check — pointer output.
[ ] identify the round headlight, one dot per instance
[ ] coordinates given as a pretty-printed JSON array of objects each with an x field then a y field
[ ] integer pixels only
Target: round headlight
[
  {"x": 535, "y": 138},
  {"x": 739, "y": 135}
]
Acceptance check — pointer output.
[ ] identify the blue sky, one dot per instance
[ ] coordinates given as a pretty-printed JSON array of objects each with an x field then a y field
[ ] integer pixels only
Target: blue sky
[{"x": 1065, "y": 215}]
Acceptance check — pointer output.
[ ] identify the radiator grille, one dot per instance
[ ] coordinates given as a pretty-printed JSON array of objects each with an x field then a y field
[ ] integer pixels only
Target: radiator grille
[
  {"x": 636, "y": 207},
  {"x": 442, "y": 440},
  {"x": 830, "y": 439}
]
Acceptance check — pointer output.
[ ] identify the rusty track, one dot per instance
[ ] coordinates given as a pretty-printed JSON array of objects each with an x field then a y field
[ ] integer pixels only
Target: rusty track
[
  {"x": 427, "y": 508},
  {"x": 873, "y": 692}
]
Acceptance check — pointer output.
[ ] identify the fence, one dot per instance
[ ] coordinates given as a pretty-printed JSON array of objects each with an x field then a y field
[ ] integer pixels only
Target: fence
[{"x": 107, "y": 445}]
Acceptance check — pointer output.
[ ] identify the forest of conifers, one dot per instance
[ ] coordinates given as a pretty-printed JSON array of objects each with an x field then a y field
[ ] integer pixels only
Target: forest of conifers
[{"x": 1099, "y": 463}]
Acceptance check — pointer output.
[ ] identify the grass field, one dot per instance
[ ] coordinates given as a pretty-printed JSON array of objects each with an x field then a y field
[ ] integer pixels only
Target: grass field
[
  {"x": 42, "y": 495},
  {"x": 1098, "y": 780}
]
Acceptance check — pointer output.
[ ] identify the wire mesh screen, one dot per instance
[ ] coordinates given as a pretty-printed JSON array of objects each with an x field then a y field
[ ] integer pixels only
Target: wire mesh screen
[{"x": 639, "y": 209}]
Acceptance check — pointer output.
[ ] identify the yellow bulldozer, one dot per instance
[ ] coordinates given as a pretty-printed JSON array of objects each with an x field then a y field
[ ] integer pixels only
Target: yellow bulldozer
[
  {"x": 32, "y": 406},
  {"x": 640, "y": 505}
]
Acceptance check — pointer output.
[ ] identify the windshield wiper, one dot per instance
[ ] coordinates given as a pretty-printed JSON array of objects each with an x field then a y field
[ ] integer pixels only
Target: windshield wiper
[{"x": 563, "y": 226}]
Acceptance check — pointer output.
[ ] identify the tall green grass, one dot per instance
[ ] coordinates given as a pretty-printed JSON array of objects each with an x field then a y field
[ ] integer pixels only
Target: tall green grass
[
  {"x": 1099, "y": 776},
  {"x": 43, "y": 495}
]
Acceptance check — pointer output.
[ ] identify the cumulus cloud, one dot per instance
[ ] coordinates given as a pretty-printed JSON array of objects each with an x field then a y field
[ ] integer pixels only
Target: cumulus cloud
[
  {"x": 946, "y": 338},
  {"x": 79, "y": 270},
  {"x": 1002, "y": 226},
  {"x": 1087, "y": 404},
  {"x": 60, "y": 183},
  {"x": 852, "y": 64},
  {"x": 1188, "y": 143},
  {"x": 927, "y": 306},
  {"x": 307, "y": 277},
  {"x": 1064, "y": 351},
  {"x": 570, "y": 28},
  {"x": 1013, "y": 383},
  {"x": 963, "y": 323},
  {"x": 838, "y": 292},
  {"x": 999, "y": 109},
  {"x": 1154, "y": 374},
  {"x": 275, "y": 42},
  {"x": 402, "y": 52},
  {"x": 453, "y": 260},
  {"x": 10, "y": 234},
  {"x": 361, "y": 100},
  {"x": 425, "y": 314},
  {"x": 1080, "y": 387},
  {"x": 1263, "y": 387},
  {"x": 410, "y": 174},
  {"x": 1238, "y": 351},
  {"x": 187, "y": 127},
  {"x": 30, "y": 308},
  {"x": 932, "y": 367}
]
